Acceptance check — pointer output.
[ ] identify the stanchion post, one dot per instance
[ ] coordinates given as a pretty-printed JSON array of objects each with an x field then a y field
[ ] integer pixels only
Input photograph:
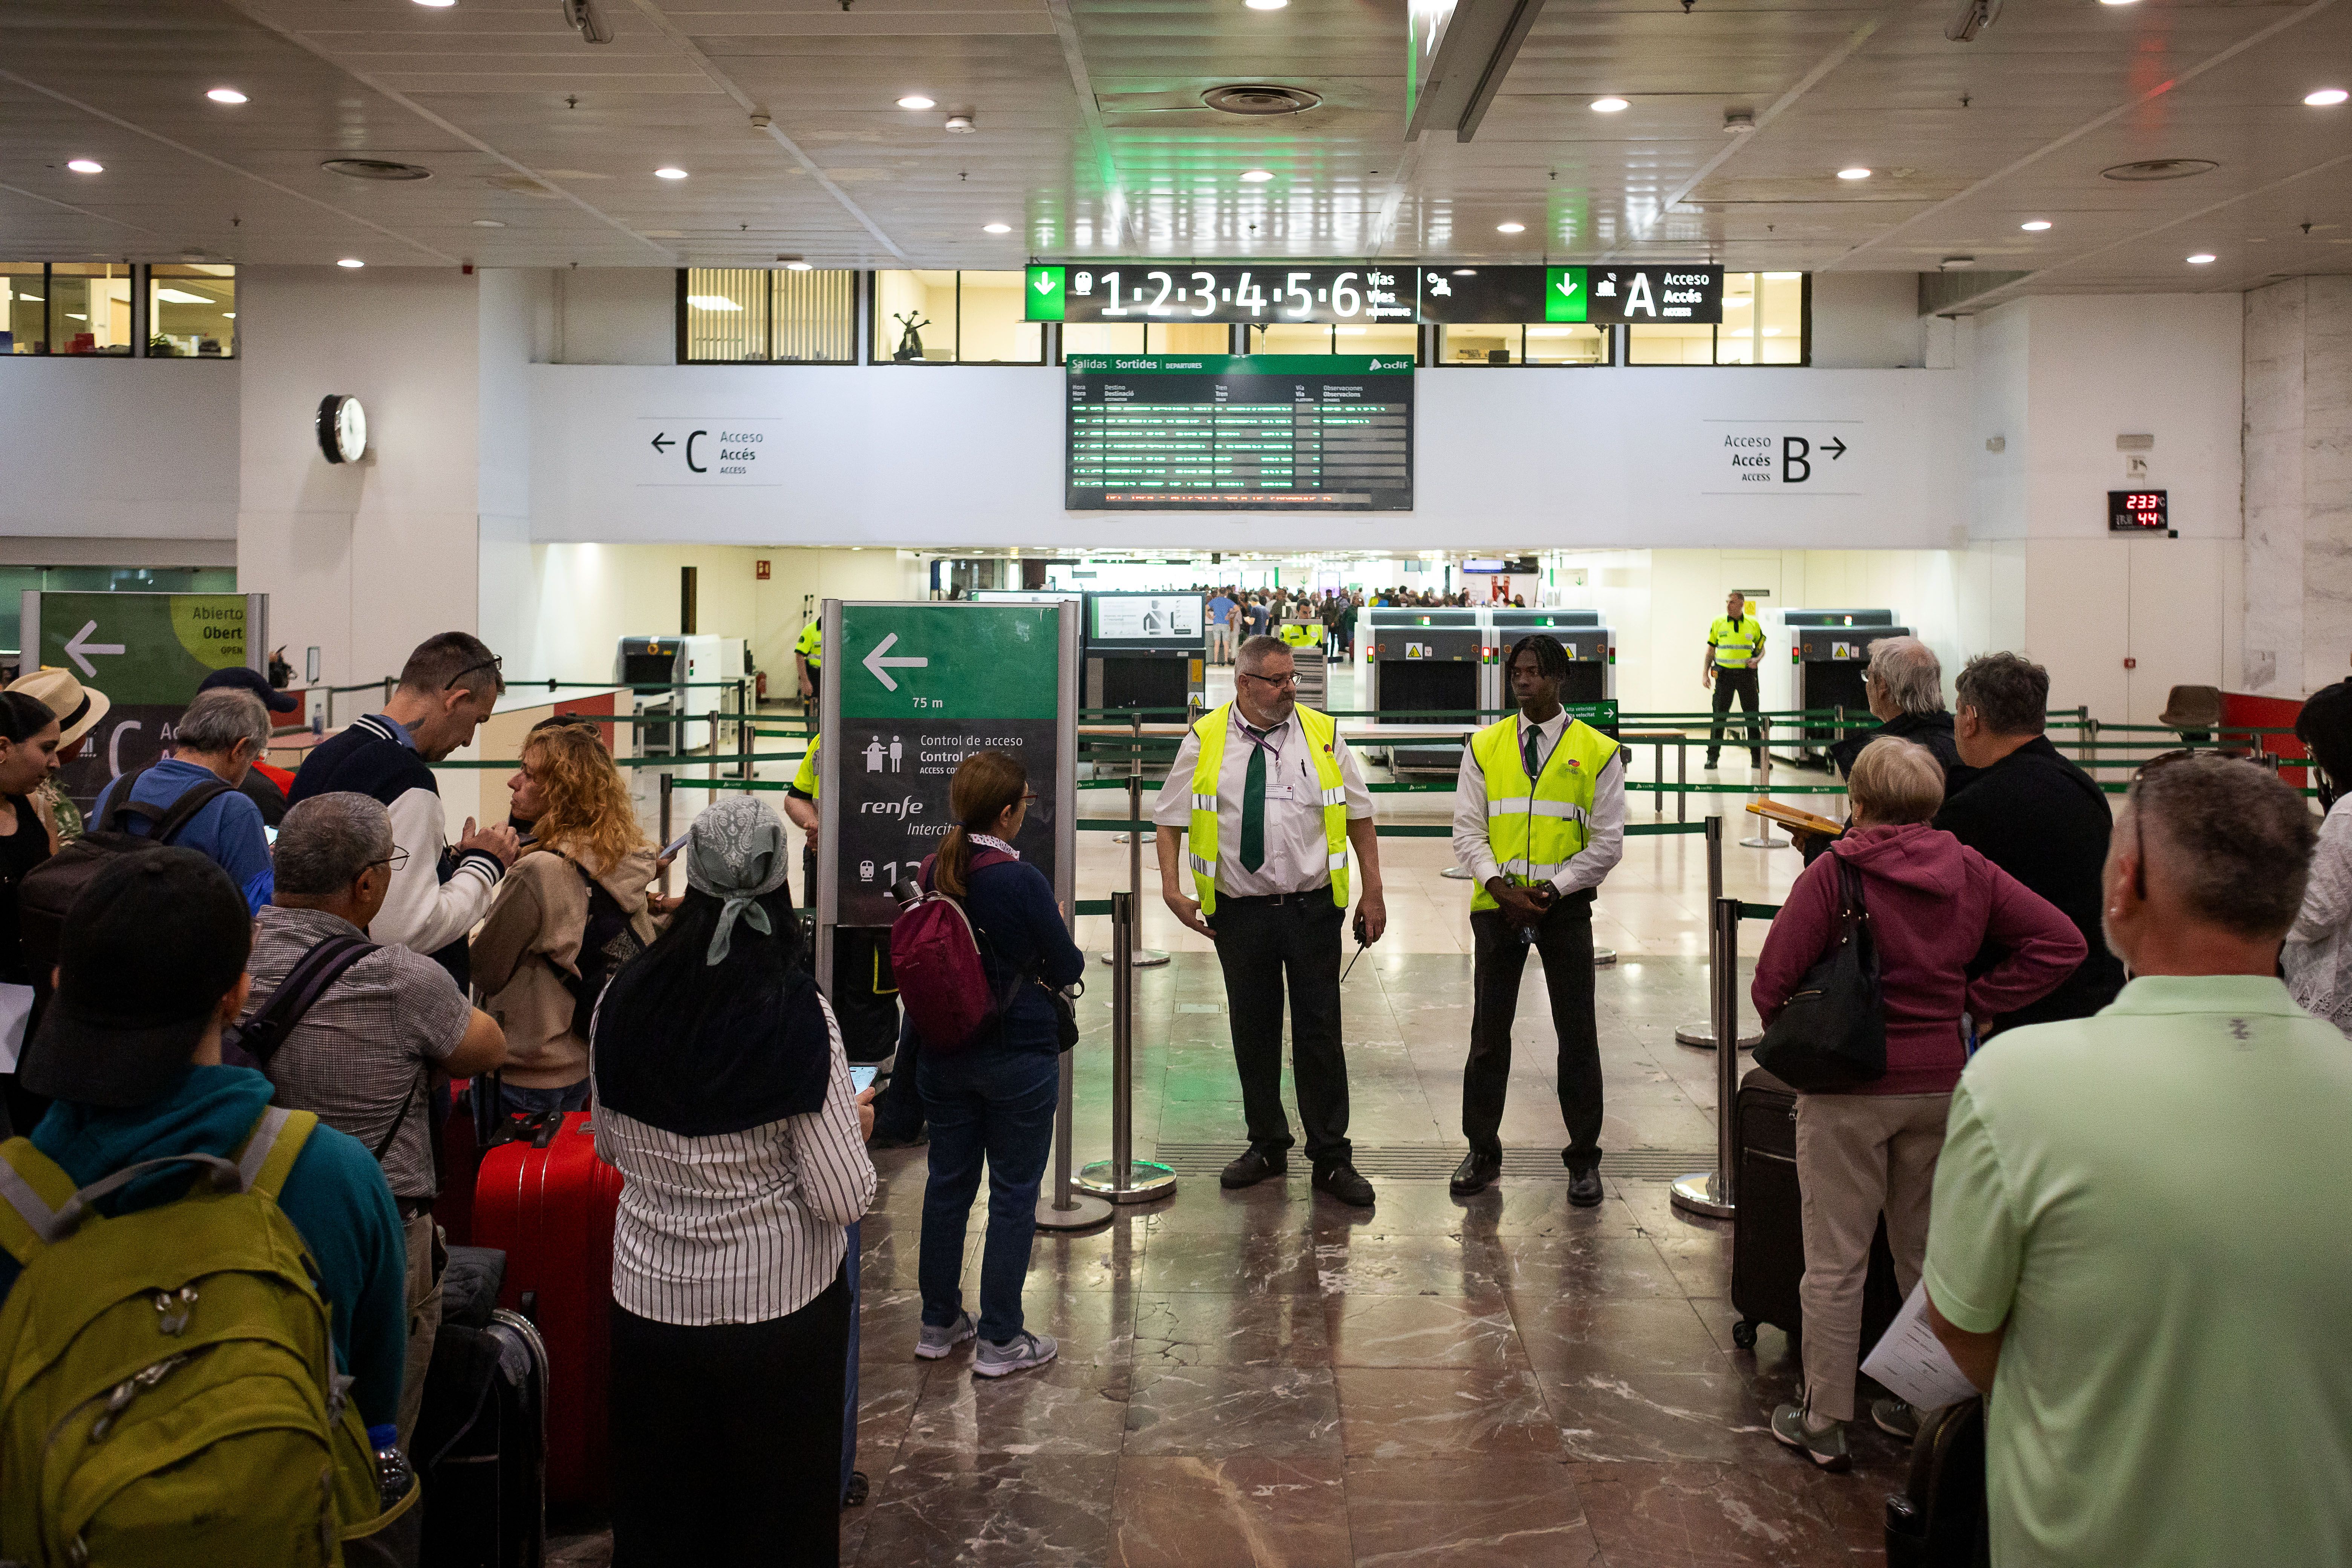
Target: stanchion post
[
  {"x": 1713, "y": 1193},
  {"x": 743, "y": 729},
  {"x": 665, "y": 835},
  {"x": 1764, "y": 838},
  {"x": 1064, "y": 1207},
  {"x": 1702, "y": 1034},
  {"x": 1124, "y": 1178},
  {"x": 1682, "y": 780}
]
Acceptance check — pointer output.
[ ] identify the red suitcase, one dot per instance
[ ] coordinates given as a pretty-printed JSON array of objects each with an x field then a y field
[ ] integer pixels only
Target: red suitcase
[{"x": 547, "y": 1200}]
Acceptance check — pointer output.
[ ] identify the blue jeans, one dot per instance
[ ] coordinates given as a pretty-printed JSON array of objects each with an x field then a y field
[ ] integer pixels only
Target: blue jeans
[
  {"x": 515, "y": 1101},
  {"x": 997, "y": 1105}
]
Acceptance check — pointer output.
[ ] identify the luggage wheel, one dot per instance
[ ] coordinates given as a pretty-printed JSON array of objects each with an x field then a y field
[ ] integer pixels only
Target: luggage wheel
[
  {"x": 1743, "y": 1334},
  {"x": 855, "y": 1497}
]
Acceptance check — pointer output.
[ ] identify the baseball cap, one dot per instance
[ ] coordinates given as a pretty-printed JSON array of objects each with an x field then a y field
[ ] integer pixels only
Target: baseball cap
[
  {"x": 148, "y": 950},
  {"x": 252, "y": 681}
]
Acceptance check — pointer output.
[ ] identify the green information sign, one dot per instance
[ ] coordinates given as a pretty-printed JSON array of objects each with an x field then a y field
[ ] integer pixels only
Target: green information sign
[
  {"x": 1047, "y": 292},
  {"x": 1240, "y": 365},
  {"x": 943, "y": 661},
  {"x": 1568, "y": 294}
]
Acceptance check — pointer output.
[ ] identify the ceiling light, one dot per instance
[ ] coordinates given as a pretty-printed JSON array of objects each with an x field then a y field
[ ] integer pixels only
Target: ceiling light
[
  {"x": 86, "y": 167},
  {"x": 2201, "y": 258},
  {"x": 799, "y": 265},
  {"x": 1857, "y": 172},
  {"x": 487, "y": 223},
  {"x": 181, "y": 297},
  {"x": 354, "y": 262},
  {"x": 2326, "y": 97},
  {"x": 996, "y": 229},
  {"x": 1256, "y": 176},
  {"x": 1782, "y": 277},
  {"x": 229, "y": 315},
  {"x": 1609, "y": 105},
  {"x": 2034, "y": 225},
  {"x": 961, "y": 125},
  {"x": 2115, "y": 2},
  {"x": 712, "y": 302},
  {"x": 1266, "y": 5},
  {"x": 437, "y": 5},
  {"x": 1510, "y": 229},
  {"x": 76, "y": 316},
  {"x": 670, "y": 173},
  {"x": 1466, "y": 272},
  {"x": 225, "y": 95},
  {"x": 916, "y": 101}
]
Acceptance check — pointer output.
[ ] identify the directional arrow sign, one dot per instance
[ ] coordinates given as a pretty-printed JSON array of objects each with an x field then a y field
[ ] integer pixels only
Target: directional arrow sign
[
  {"x": 1046, "y": 301},
  {"x": 663, "y": 441},
  {"x": 1834, "y": 447},
  {"x": 876, "y": 665},
  {"x": 79, "y": 647},
  {"x": 1566, "y": 298}
]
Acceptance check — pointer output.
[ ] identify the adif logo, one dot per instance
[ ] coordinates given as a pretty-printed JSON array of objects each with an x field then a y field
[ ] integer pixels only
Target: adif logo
[{"x": 902, "y": 809}]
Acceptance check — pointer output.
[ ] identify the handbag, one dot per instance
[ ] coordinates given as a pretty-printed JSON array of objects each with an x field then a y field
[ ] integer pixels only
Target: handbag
[
  {"x": 1066, "y": 1012},
  {"x": 1832, "y": 1035}
]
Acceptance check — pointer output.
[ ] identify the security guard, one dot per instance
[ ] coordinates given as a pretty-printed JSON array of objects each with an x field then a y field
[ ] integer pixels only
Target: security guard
[
  {"x": 1735, "y": 647},
  {"x": 808, "y": 653},
  {"x": 1272, "y": 798},
  {"x": 1301, "y": 634},
  {"x": 1536, "y": 853}
]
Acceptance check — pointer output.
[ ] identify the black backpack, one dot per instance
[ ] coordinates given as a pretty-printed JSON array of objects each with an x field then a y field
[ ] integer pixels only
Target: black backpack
[
  {"x": 46, "y": 892},
  {"x": 608, "y": 941}
]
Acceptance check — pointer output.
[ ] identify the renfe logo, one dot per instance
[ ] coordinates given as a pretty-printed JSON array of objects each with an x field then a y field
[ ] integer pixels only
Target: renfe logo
[{"x": 901, "y": 809}]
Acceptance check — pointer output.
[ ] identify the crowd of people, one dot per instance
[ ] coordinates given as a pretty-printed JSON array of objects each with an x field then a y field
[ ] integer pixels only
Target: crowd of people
[{"x": 2120, "y": 1193}]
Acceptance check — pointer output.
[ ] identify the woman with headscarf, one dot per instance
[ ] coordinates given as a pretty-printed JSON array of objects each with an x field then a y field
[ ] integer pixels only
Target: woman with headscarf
[
  {"x": 2318, "y": 957},
  {"x": 722, "y": 1095}
]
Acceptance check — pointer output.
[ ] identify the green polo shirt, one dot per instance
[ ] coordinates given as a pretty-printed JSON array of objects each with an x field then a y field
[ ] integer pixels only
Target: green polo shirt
[{"x": 2158, "y": 1201}]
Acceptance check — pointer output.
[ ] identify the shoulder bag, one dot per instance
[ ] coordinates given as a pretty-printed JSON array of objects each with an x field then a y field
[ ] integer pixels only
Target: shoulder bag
[{"x": 1832, "y": 1036}]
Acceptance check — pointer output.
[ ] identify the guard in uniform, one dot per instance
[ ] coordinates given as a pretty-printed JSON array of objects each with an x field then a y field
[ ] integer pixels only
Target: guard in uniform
[
  {"x": 1538, "y": 820},
  {"x": 1735, "y": 647},
  {"x": 808, "y": 653},
  {"x": 1271, "y": 799}
]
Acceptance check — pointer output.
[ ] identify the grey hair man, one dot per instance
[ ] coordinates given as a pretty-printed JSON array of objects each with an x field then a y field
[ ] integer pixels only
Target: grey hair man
[
  {"x": 190, "y": 797},
  {"x": 1903, "y": 683},
  {"x": 365, "y": 1054},
  {"x": 2160, "y": 1319}
]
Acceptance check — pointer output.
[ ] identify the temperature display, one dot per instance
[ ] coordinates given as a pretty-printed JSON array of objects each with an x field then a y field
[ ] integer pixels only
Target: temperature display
[{"x": 2137, "y": 511}]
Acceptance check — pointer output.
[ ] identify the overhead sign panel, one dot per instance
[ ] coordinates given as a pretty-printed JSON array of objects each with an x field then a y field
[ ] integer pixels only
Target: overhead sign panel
[
  {"x": 1677, "y": 293},
  {"x": 1347, "y": 292}
]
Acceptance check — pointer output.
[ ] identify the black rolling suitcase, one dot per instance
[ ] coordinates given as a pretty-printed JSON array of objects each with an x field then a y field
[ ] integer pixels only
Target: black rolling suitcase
[
  {"x": 1938, "y": 1519},
  {"x": 480, "y": 1444},
  {"x": 1767, "y": 1237}
]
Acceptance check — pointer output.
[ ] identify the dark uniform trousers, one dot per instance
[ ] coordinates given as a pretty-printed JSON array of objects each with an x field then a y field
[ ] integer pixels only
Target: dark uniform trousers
[
  {"x": 1565, "y": 941},
  {"x": 1743, "y": 682},
  {"x": 1262, "y": 941}
]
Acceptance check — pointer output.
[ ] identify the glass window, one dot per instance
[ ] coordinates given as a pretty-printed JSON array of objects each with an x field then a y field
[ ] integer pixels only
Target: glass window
[
  {"x": 192, "y": 311},
  {"x": 89, "y": 308},
  {"x": 955, "y": 318},
  {"x": 741, "y": 315},
  {"x": 1670, "y": 345},
  {"x": 1387, "y": 338},
  {"x": 1152, "y": 338},
  {"x": 1763, "y": 323},
  {"x": 1309, "y": 338},
  {"x": 1511, "y": 342},
  {"x": 25, "y": 286}
]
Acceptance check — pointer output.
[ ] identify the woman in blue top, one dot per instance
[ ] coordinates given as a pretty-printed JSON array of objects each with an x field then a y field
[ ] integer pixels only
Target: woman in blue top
[{"x": 994, "y": 1098}]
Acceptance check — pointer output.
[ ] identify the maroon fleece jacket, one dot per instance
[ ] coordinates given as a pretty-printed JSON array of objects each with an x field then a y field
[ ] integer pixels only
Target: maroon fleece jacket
[{"x": 1933, "y": 903}]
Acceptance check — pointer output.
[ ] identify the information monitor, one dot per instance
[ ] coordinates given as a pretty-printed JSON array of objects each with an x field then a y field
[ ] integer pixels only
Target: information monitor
[{"x": 1240, "y": 432}]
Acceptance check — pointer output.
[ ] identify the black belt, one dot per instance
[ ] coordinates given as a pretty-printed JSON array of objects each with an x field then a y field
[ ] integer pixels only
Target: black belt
[
  {"x": 1322, "y": 893},
  {"x": 414, "y": 1208}
]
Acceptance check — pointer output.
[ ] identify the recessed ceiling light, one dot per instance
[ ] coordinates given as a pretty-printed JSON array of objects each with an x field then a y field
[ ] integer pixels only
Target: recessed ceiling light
[
  {"x": 1857, "y": 172},
  {"x": 437, "y": 5},
  {"x": 2326, "y": 97},
  {"x": 916, "y": 101},
  {"x": 2201, "y": 258},
  {"x": 2115, "y": 2},
  {"x": 996, "y": 229},
  {"x": 670, "y": 173},
  {"x": 86, "y": 167},
  {"x": 799, "y": 265},
  {"x": 1266, "y": 5},
  {"x": 354, "y": 262},
  {"x": 1256, "y": 176},
  {"x": 2034, "y": 225},
  {"x": 1510, "y": 229},
  {"x": 487, "y": 223},
  {"x": 1609, "y": 105},
  {"x": 225, "y": 95}
]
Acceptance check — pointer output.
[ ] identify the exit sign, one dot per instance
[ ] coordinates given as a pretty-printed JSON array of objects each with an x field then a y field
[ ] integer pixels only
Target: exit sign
[{"x": 2137, "y": 511}]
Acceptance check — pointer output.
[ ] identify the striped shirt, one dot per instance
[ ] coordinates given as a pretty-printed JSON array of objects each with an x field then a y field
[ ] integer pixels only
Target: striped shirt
[{"x": 739, "y": 1227}]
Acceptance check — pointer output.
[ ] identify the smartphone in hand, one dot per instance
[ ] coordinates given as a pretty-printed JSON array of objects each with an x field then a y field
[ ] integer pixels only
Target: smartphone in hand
[{"x": 861, "y": 1077}]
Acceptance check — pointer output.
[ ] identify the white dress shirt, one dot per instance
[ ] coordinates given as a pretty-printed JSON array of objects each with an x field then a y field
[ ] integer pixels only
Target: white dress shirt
[
  {"x": 1298, "y": 855},
  {"x": 1604, "y": 843}
]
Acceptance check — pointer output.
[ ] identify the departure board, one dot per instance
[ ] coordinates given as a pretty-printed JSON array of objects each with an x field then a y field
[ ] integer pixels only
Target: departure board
[{"x": 1229, "y": 432}]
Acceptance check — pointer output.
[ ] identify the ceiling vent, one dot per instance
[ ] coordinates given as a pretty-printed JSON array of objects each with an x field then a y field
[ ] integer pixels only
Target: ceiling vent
[
  {"x": 1259, "y": 97},
  {"x": 375, "y": 169},
  {"x": 2160, "y": 169}
]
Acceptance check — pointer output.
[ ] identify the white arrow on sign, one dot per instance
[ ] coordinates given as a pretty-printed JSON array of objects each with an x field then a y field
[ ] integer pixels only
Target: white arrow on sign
[
  {"x": 874, "y": 661},
  {"x": 77, "y": 647}
]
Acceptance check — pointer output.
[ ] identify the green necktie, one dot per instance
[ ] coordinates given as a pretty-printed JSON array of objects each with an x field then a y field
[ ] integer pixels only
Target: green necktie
[{"x": 1254, "y": 810}]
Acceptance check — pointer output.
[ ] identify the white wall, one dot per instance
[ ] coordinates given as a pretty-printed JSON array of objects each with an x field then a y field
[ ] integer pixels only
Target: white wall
[
  {"x": 612, "y": 315},
  {"x": 1868, "y": 320},
  {"x": 2298, "y": 436},
  {"x": 128, "y": 448}
]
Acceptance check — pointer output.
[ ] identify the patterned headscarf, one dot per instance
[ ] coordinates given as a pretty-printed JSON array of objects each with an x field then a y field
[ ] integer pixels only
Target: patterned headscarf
[{"x": 736, "y": 853}]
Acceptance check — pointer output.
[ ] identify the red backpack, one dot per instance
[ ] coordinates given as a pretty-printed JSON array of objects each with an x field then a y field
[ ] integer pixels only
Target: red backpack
[{"x": 935, "y": 959}]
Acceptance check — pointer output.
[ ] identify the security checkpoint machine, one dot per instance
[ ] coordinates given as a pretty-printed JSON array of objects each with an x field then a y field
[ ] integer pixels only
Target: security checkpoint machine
[
  {"x": 692, "y": 667},
  {"x": 1827, "y": 650},
  {"x": 1147, "y": 652},
  {"x": 1591, "y": 655},
  {"x": 1418, "y": 661}
]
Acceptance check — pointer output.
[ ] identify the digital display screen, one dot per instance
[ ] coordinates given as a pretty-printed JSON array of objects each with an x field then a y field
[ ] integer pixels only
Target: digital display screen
[
  {"x": 1349, "y": 293},
  {"x": 1223, "y": 431},
  {"x": 2137, "y": 511},
  {"x": 1145, "y": 617}
]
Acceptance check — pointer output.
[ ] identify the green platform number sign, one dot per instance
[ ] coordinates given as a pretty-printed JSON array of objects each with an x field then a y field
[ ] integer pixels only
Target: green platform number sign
[
  {"x": 1568, "y": 294},
  {"x": 148, "y": 653},
  {"x": 919, "y": 688},
  {"x": 1046, "y": 291}
]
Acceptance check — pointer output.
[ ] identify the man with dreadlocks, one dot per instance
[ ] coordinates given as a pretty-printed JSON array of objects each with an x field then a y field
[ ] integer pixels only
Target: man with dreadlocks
[{"x": 1538, "y": 820}]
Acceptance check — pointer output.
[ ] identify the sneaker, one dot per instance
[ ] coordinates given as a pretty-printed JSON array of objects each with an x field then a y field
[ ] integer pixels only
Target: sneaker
[
  {"x": 1023, "y": 1351},
  {"x": 936, "y": 1342},
  {"x": 1896, "y": 1418},
  {"x": 1825, "y": 1446}
]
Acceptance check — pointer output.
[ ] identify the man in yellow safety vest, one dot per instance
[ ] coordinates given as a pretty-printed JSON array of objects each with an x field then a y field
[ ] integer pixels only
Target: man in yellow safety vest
[
  {"x": 1271, "y": 799},
  {"x": 808, "y": 654},
  {"x": 1538, "y": 820},
  {"x": 1735, "y": 647}
]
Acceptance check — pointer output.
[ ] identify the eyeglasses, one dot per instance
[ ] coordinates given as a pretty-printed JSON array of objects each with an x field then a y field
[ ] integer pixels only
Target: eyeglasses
[
  {"x": 2140, "y": 828},
  {"x": 1028, "y": 797},
  {"x": 393, "y": 861},
  {"x": 496, "y": 664},
  {"x": 1276, "y": 681}
]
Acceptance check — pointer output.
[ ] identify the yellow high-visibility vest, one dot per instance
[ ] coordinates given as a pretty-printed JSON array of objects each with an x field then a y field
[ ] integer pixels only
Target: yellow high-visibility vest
[
  {"x": 810, "y": 645},
  {"x": 1301, "y": 634},
  {"x": 805, "y": 780},
  {"x": 1535, "y": 829},
  {"x": 1736, "y": 643},
  {"x": 1320, "y": 730}
]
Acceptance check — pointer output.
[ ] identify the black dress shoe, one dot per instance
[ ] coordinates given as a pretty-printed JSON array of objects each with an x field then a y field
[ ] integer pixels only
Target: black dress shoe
[
  {"x": 1341, "y": 1179},
  {"x": 1584, "y": 1188},
  {"x": 1475, "y": 1174},
  {"x": 1255, "y": 1166}
]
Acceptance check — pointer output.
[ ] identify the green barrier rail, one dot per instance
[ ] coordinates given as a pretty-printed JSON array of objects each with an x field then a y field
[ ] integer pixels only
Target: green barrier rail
[{"x": 1759, "y": 911}]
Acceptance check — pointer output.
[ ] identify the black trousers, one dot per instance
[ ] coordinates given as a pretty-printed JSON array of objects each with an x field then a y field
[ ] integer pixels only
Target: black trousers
[
  {"x": 1261, "y": 943},
  {"x": 727, "y": 1439},
  {"x": 1564, "y": 940},
  {"x": 1743, "y": 682},
  {"x": 898, "y": 1109}
]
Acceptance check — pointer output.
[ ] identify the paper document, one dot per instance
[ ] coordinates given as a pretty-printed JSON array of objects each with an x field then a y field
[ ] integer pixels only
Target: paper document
[
  {"x": 1913, "y": 1364},
  {"x": 16, "y": 1009}
]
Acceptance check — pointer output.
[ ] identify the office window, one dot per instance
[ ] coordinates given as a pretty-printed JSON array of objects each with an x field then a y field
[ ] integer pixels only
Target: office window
[
  {"x": 1152, "y": 338},
  {"x": 1308, "y": 338},
  {"x": 1766, "y": 319},
  {"x": 192, "y": 311},
  {"x": 25, "y": 286},
  {"x": 68, "y": 307},
  {"x": 751, "y": 315},
  {"x": 935, "y": 317},
  {"x": 1513, "y": 343}
]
